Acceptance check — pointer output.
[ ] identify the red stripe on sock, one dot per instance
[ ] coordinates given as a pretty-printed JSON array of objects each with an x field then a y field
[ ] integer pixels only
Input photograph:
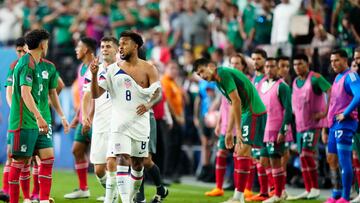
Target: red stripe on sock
[
  {"x": 220, "y": 169},
  {"x": 263, "y": 179},
  {"x": 250, "y": 179},
  {"x": 25, "y": 181},
  {"x": 5, "y": 187},
  {"x": 82, "y": 170},
  {"x": 244, "y": 170},
  {"x": 45, "y": 178},
  {"x": 305, "y": 173},
  {"x": 14, "y": 175},
  {"x": 35, "y": 174}
]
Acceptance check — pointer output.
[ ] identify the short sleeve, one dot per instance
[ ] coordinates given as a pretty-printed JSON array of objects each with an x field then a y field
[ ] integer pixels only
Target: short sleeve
[
  {"x": 227, "y": 81},
  {"x": 87, "y": 82},
  {"x": 53, "y": 80},
  {"x": 322, "y": 83},
  {"x": 103, "y": 80},
  {"x": 9, "y": 78},
  {"x": 26, "y": 76}
]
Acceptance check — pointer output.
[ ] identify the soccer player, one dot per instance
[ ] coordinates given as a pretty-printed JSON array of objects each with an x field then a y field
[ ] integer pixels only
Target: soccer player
[
  {"x": 310, "y": 109},
  {"x": 275, "y": 94},
  {"x": 85, "y": 51},
  {"x": 130, "y": 89},
  {"x": 101, "y": 117},
  {"x": 247, "y": 116},
  {"x": 343, "y": 121},
  {"x": 27, "y": 127},
  {"x": 262, "y": 162},
  {"x": 20, "y": 51},
  {"x": 238, "y": 62}
]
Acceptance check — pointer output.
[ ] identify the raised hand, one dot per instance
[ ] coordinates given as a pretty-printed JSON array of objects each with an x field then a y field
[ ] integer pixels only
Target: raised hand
[{"x": 94, "y": 66}]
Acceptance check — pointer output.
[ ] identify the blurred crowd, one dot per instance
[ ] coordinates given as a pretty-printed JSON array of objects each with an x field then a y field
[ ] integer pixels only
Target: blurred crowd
[{"x": 176, "y": 32}]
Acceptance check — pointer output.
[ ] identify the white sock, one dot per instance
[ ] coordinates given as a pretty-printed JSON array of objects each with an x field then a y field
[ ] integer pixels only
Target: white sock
[
  {"x": 123, "y": 182},
  {"x": 136, "y": 178},
  {"x": 102, "y": 180},
  {"x": 110, "y": 186}
]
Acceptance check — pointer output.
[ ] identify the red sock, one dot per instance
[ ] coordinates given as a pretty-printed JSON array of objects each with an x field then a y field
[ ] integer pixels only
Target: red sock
[
  {"x": 45, "y": 178},
  {"x": 35, "y": 173},
  {"x": 263, "y": 179},
  {"x": 250, "y": 179},
  {"x": 356, "y": 164},
  {"x": 311, "y": 164},
  {"x": 271, "y": 181},
  {"x": 81, "y": 169},
  {"x": 25, "y": 181},
  {"x": 236, "y": 170},
  {"x": 14, "y": 175},
  {"x": 220, "y": 168},
  {"x": 278, "y": 174},
  {"x": 6, "y": 171},
  {"x": 305, "y": 173},
  {"x": 244, "y": 171}
]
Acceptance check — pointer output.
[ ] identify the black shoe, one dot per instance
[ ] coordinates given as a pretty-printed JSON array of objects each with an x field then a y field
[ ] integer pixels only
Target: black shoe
[
  {"x": 4, "y": 197},
  {"x": 204, "y": 172}
]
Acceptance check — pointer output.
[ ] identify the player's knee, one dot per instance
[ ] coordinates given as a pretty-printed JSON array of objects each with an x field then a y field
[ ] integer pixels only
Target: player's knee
[
  {"x": 124, "y": 160},
  {"x": 332, "y": 160},
  {"x": 111, "y": 164},
  {"x": 137, "y": 163},
  {"x": 100, "y": 170}
]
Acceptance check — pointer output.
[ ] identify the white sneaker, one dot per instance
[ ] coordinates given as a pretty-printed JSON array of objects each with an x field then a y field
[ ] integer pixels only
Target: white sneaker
[
  {"x": 297, "y": 197},
  {"x": 356, "y": 200},
  {"x": 27, "y": 201},
  {"x": 77, "y": 194},
  {"x": 284, "y": 195},
  {"x": 232, "y": 200},
  {"x": 314, "y": 193},
  {"x": 273, "y": 199},
  {"x": 100, "y": 199}
]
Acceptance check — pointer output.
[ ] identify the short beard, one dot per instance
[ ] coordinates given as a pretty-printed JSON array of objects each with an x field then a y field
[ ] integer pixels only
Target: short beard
[{"x": 126, "y": 57}]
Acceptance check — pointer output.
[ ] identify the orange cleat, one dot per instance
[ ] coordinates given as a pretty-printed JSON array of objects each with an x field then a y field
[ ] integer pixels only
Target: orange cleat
[
  {"x": 258, "y": 198},
  {"x": 272, "y": 193},
  {"x": 215, "y": 192},
  {"x": 248, "y": 193}
]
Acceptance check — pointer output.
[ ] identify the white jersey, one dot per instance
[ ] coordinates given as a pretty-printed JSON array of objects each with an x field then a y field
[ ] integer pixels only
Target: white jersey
[
  {"x": 101, "y": 121},
  {"x": 126, "y": 96}
]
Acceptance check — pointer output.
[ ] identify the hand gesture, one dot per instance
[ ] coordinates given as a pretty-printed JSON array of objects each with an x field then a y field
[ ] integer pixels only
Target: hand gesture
[
  {"x": 65, "y": 124},
  {"x": 142, "y": 108},
  {"x": 94, "y": 66},
  {"x": 74, "y": 122}
]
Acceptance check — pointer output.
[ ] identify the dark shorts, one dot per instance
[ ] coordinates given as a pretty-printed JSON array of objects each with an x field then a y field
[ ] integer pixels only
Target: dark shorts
[
  {"x": 273, "y": 150},
  {"x": 203, "y": 130},
  {"x": 308, "y": 139},
  {"x": 340, "y": 139},
  {"x": 24, "y": 142},
  {"x": 253, "y": 127},
  {"x": 153, "y": 134},
  {"x": 79, "y": 137}
]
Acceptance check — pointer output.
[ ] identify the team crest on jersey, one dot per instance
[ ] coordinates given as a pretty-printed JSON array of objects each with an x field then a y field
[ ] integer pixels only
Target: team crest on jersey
[
  {"x": 23, "y": 148},
  {"x": 127, "y": 83},
  {"x": 45, "y": 74}
]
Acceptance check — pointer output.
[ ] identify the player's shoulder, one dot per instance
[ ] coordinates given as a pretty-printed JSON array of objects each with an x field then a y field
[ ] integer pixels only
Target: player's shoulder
[
  {"x": 27, "y": 61},
  {"x": 147, "y": 66},
  {"x": 47, "y": 62},
  {"x": 13, "y": 64},
  {"x": 353, "y": 76},
  {"x": 316, "y": 75}
]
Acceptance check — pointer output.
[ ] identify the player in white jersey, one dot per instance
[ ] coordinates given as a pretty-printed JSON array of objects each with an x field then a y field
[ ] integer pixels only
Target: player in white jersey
[
  {"x": 102, "y": 113},
  {"x": 130, "y": 83}
]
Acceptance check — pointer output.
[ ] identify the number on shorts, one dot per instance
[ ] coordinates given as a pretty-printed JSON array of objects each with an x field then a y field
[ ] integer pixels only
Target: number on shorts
[
  {"x": 245, "y": 133},
  {"x": 143, "y": 145},
  {"x": 308, "y": 138},
  {"x": 339, "y": 133},
  {"x": 270, "y": 146},
  {"x": 107, "y": 94},
  {"x": 128, "y": 95}
]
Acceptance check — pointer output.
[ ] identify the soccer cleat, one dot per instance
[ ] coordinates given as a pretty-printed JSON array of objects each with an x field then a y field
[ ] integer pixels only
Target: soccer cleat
[
  {"x": 232, "y": 200},
  {"x": 258, "y": 198},
  {"x": 284, "y": 195},
  {"x": 4, "y": 197},
  {"x": 330, "y": 200},
  {"x": 77, "y": 194},
  {"x": 248, "y": 193},
  {"x": 34, "y": 198},
  {"x": 27, "y": 201},
  {"x": 139, "y": 201},
  {"x": 342, "y": 200},
  {"x": 314, "y": 193},
  {"x": 273, "y": 199},
  {"x": 166, "y": 193},
  {"x": 300, "y": 196},
  {"x": 356, "y": 199},
  {"x": 272, "y": 193},
  {"x": 100, "y": 199},
  {"x": 156, "y": 199},
  {"x": 215, "y": 192},
  {"x": 51, "y": 200}
]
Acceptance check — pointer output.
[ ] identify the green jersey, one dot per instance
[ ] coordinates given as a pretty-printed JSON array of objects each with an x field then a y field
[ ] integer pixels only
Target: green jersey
[
  {"x": 9, "y": 76},
  {"x": 26, "y": 73},
  {"x": 232, "y": 79},
  {"x": 257, "y": 78},
  {"x": 318, "y": 83},
  {"x": 49, "y": 77}
]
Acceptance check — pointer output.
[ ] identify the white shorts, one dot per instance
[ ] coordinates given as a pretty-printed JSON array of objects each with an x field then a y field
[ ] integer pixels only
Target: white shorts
[
  {"x": 120, "y": 143},
  {"x": 99, "y": 148}
]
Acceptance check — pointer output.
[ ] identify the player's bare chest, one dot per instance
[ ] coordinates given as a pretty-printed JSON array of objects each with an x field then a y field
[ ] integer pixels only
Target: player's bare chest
[{"x": 139, "y": 78}]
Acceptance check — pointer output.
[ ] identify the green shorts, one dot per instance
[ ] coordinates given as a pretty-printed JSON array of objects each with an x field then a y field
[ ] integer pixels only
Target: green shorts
[
  {"x": 253, "y": 129},
  {"x": 153, "y": 134},
  {"x": 273, "y": 150},
  {"x": 221, "y": 142},
  {"x": 79, "y": 137},
  {"x": 25, "y": 141},
  {"x": 356, "y": 144},
  {"x": 8, "y": 140},
  {"x": 308, "y": 139},
  {"x": 255, "y": 153}
]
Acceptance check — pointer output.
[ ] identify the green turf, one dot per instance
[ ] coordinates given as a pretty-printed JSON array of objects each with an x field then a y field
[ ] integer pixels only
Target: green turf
[{"x": 66, "y": 181}]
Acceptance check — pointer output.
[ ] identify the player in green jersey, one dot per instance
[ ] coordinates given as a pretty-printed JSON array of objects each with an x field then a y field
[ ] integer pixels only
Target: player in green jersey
[
  {"x": 248, "y": 116},
  {"x": 27, "y": 127}
]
